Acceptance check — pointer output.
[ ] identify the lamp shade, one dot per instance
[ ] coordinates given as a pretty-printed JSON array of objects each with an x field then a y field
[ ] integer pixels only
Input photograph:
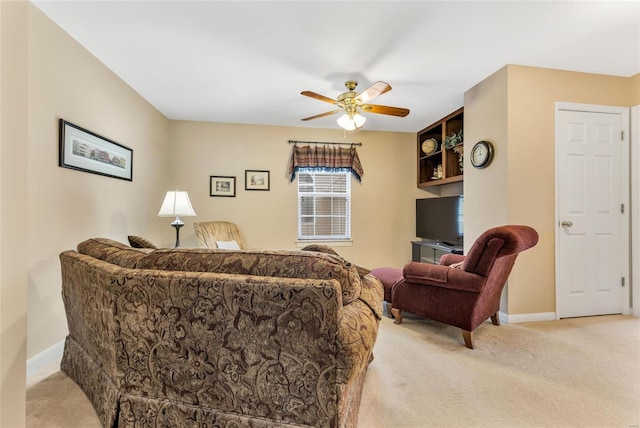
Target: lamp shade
[
  {"x": 351, "y": 123},
  {"x": 176, "y": 203}
]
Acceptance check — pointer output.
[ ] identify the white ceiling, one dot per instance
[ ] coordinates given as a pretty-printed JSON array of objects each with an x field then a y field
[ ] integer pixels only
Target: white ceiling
[{"x": 247, "y": 62}]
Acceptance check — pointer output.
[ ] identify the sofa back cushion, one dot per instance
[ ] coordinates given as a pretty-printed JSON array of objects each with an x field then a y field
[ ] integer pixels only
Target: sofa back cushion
[
  {"x": 112, "y": 251},
  {"x": 275, "y": 263}
]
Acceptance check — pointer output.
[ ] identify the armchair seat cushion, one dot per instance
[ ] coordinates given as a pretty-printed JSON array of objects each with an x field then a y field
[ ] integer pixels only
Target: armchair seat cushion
[{"x": 443, "y": 276}]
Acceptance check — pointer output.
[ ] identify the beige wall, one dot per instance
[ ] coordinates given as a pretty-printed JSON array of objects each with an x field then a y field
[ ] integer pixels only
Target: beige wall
[
  {"x": 383, "y": 210},
  {"x": 13, "y": 205},
  {"x": 67, "y": 206},
  {"x": 486, "y": 190},
  {"x": 525, "y": 163},
  {"x": 634, "y": 93}
]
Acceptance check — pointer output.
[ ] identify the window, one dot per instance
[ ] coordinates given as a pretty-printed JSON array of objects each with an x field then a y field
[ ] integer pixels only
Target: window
[{"x": 324, "y": 205}]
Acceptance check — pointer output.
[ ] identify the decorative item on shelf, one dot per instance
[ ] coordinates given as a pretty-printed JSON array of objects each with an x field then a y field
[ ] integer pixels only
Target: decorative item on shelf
[
  {"x": 176, "y": 203},
  {"x": 429, "y": 146},
  {"x": 459, "y": 150},
  {"x": 450, "y": 141},
  {"x": 437, "y": 172}
]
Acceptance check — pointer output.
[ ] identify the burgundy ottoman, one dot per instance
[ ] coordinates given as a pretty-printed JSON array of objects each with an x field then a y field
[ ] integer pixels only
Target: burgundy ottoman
[{"x": 388, "y": 276}]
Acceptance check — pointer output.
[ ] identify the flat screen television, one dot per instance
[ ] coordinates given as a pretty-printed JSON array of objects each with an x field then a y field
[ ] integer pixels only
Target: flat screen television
[{"x": 441, "y": 219}]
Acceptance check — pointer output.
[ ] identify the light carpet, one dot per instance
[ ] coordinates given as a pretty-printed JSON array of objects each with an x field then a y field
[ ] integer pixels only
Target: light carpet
[{"x": 581, "y": 372}]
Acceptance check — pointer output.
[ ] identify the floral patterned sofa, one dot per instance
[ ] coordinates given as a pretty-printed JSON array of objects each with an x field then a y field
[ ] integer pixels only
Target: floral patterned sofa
[{"x": 207, "y": 337}]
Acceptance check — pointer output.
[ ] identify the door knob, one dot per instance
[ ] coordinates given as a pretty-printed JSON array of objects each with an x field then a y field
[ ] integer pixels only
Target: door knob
[{"x": 566, "y": 223}]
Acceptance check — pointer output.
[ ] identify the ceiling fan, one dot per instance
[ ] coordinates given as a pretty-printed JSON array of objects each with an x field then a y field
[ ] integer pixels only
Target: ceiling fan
[{"x": 352, "y": 104}]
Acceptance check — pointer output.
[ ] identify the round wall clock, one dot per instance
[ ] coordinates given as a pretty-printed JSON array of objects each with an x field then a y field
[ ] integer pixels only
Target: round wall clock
[
  {"x": 429, "y": 146},
  {"x": 481, "y": 154}
]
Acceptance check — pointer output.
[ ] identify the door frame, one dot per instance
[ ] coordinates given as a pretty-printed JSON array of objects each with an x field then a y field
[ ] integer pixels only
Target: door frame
[
  {"x": 626, "y": 179},
  {"x": 635, "y": 208}
]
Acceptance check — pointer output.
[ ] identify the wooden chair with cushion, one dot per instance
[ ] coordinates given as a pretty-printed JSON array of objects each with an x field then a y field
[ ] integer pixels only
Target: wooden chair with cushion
[
  {"x": 462, "y": 291},
  {"x": 218, "y": 234}
]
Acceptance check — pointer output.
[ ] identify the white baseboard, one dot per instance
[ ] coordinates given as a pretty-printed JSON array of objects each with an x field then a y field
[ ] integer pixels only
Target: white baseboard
[
  {"x": 517, "y": 318},
  {"x": 45, "y": 363}
]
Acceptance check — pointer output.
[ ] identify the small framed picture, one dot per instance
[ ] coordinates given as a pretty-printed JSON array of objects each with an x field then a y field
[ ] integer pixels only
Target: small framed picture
[
  {"x": 220, "y": 185},
  {"x": 256, "y": 180}
]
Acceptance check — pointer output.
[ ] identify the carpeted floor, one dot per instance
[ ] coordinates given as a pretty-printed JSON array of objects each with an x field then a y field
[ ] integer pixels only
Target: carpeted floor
[{"x": 582, "y": 372}]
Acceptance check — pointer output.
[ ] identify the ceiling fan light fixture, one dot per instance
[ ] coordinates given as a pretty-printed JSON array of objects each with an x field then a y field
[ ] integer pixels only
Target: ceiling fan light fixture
[
  {"x": 351, "y": 123},
  {"x": 351, "y": 103}
]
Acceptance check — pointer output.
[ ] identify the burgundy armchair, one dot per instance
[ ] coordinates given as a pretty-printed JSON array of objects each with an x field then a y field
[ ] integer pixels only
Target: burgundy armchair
[{"x": 460, "y": 291}]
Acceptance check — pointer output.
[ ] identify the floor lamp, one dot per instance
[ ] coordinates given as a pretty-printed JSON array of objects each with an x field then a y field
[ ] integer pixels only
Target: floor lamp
[{"x": 176, "y": 203}]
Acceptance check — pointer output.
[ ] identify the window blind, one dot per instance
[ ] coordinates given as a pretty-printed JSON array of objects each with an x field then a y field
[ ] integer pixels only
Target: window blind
[{"x": 324, "y": 211}]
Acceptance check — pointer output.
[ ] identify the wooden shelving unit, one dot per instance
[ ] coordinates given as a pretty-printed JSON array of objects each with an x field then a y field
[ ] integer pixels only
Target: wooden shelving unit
[{"x": 447, "y": 160}]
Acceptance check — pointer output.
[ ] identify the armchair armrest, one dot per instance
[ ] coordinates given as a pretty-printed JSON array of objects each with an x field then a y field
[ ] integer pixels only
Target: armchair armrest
[
  {"x": 425, "y": 273},
  {"x": 442, "y": 276},
  {"x": 449, "y": 259}
]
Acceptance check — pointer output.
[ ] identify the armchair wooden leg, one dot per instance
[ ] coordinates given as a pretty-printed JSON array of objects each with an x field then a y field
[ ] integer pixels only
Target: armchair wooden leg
[
  {"x": 397, "y": 314},
  {"x": 468, "y": 338},
  {"x": 495, "y": 319},
  {"x": 390, "y": 310}
]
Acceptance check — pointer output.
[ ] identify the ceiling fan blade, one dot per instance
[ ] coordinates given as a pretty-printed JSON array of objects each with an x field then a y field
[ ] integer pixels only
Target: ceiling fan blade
[
  {"x": 373, "y": 91},
  {"x": 329, "y": 113},
  {"x": 392, "y": 111},
  {"x": 318, "y": 97}
]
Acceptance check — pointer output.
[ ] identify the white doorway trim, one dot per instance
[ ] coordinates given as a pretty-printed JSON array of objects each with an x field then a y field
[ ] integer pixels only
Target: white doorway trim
[
  {"x": 624, "y": 113},
  {"x": 635, "y": 208}
]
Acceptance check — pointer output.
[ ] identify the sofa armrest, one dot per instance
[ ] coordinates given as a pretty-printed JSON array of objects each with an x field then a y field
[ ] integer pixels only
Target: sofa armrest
[
  {"x": 443, "y": 276},
  {"x": 113, "y": 252},
  {"x": 356, "y": 337},
  {"x": 372, "y": 294},
  {"x": 89, "y": 303},
  {"x": 358, "y": 330}
]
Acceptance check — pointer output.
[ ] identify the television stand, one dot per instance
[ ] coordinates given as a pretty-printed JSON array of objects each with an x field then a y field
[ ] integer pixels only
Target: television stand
[{"x": 431, "y": 251}]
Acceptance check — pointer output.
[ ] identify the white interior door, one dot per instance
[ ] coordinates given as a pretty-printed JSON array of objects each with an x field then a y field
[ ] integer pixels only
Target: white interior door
[{"x": 592, "y": 243}]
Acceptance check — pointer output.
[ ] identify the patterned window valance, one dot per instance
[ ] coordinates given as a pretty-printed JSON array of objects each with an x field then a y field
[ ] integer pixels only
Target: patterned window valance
[{"x": 325, "y": 157}]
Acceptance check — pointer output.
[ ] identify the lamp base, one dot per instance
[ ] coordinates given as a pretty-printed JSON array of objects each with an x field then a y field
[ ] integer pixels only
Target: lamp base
[{"x": 177, "y": 224}]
